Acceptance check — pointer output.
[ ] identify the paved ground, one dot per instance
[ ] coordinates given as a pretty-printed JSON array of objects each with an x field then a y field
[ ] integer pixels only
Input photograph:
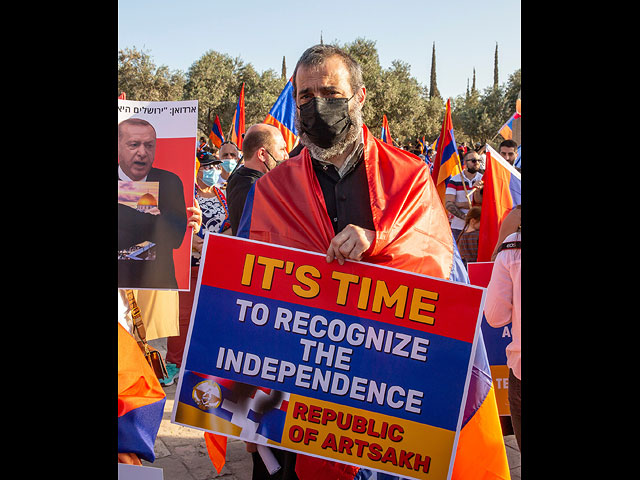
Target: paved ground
[{"x": 182, "y": 453}]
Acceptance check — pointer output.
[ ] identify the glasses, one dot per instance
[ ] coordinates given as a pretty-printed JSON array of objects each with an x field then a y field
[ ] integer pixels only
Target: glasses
[
  {"x": 472, "y": 160},
  {"x": 209, "y": 167}
]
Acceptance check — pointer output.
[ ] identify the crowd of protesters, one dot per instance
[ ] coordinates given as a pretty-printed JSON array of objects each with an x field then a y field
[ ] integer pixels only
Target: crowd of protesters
[{"x": 226, "y": 173}]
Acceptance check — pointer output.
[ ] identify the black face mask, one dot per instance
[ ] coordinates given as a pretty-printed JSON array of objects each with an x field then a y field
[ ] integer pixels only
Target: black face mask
[{"x": 325, "y": 120}]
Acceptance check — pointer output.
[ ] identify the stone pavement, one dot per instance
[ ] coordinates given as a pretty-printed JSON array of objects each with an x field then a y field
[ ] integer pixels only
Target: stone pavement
[{"x": 182, "y": 454}]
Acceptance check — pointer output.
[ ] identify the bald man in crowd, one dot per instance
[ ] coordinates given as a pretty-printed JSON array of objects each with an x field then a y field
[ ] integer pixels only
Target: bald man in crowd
[{"x": 264, "y": 148}]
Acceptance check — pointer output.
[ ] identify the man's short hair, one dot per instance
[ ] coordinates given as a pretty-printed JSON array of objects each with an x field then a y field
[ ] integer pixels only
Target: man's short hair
[
  {"x": 470, "y": 154},
  {"x": 318, "y": 54},
  {"x": 135, "y": 121},
  {"x": 509, "y": 144},
  {"x": 230, "y": 143},
  {"x": 257, "y": 138}
]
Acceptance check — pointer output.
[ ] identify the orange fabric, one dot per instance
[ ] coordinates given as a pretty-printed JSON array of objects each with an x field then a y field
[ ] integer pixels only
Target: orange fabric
[
  {"x": 217, "y": 448},
  {"x": 137, "y": 383},
  {"x": 481, "y": 438}
]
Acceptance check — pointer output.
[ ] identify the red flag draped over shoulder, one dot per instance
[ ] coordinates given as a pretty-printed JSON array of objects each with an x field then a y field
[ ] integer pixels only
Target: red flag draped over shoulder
[{"x": 412, "y": 230}]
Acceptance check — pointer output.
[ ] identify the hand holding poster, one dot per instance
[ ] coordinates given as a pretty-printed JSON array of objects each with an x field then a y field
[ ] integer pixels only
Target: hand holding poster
[
  {"x": 358, "y": 363},
  {"x": 156, "y": 163}
]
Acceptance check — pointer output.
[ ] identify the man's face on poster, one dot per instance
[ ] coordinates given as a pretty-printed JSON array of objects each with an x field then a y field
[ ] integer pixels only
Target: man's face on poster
[{"x": 136, "y": 150}]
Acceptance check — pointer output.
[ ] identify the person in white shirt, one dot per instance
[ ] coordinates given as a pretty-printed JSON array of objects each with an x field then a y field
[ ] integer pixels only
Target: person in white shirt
[
  {"x": 457, "y": 196},
  {"x": 502, "y": 306}
]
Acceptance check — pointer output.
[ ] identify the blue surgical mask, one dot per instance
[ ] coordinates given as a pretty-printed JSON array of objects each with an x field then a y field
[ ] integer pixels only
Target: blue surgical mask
[
  {"x": 211, "y": 176},
  {"x": 229, "y": 165}
]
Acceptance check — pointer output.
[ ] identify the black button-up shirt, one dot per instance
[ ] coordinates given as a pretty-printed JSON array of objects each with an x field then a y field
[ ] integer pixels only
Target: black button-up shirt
[{"x": 347, "y": 197}]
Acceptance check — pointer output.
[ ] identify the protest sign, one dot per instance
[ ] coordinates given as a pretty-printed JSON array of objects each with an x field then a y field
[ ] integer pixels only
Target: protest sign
[
  {"x": 358, "y": 363},
  {"x": 495, "y": 340},
  {"x": 156, "y": 165}
]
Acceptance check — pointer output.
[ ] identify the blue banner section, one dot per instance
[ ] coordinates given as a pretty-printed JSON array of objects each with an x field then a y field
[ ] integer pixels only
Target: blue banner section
[
  {"x": 270, "y": 424},
  {"x": 495, "y": 341},
  {"x": 138, "y": 428},
  {"x": 514, "y": 188},
  {"x": 316, "y": 353}
]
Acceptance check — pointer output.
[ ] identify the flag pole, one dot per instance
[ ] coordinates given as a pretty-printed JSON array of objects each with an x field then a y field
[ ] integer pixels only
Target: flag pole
[{"x": 462, "y": 177}]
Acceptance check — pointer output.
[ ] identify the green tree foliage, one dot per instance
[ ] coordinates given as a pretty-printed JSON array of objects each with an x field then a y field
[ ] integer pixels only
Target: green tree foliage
[
  {"x": 478, "y": 117},
  {"x": 211, "y": 80},
  {"x": 139, "y": 78},
  {"x": 495, "y": 68},
  {"x": 216, "y": 79},
  {"x": 512, "y": 89},
  {"x": 395, "y": 93},
  {"x": 413, "y": 110},
  {"x": 433, "y": 87},
  {"x": 365, "y": 52}
]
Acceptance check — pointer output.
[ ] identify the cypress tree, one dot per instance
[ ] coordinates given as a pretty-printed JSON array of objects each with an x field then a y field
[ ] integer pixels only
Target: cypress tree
[
  {"x": 284, "y": 68},
  {"x": 495, "y": 68},
  {"x": 433, "y": 90},
  {"x": 473, "y": 85}
]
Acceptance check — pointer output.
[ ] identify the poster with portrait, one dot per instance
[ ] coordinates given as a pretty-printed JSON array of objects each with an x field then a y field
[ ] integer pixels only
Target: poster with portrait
[
  {"x": 357, "y": 363},
  {"x": 156, "y": 175}
]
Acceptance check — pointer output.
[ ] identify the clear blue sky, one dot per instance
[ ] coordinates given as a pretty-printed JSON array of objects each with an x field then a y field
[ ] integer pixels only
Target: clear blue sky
[{"x": 177, "y": 33}]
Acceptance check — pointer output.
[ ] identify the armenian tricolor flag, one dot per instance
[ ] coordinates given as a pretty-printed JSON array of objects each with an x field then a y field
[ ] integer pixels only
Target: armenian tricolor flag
[
  {"x": 283, "y": 114},
  {"x": 216, "y": 134},
  {"x": 423, "y": 145},
  {"x": 386, "y": 133},
  {"x": 507, "y": 129},
  {"x": 237, "y": 125},
  {"x": 447, "y": 161},
  {"x": 140, "y": 399},
  {"x": 500, "y": 195}
]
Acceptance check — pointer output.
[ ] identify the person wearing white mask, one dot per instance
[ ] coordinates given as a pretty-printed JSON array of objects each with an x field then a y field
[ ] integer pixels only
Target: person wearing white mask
[{"x": 229, "y": 156}]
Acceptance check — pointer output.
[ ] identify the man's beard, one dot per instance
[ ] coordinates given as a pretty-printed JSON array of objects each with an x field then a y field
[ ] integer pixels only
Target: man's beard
[{"x": 319, "y": 153}]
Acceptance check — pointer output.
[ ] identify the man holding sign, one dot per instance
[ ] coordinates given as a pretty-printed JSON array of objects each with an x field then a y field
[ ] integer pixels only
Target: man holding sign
[{"x": 348, "y": 195}]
